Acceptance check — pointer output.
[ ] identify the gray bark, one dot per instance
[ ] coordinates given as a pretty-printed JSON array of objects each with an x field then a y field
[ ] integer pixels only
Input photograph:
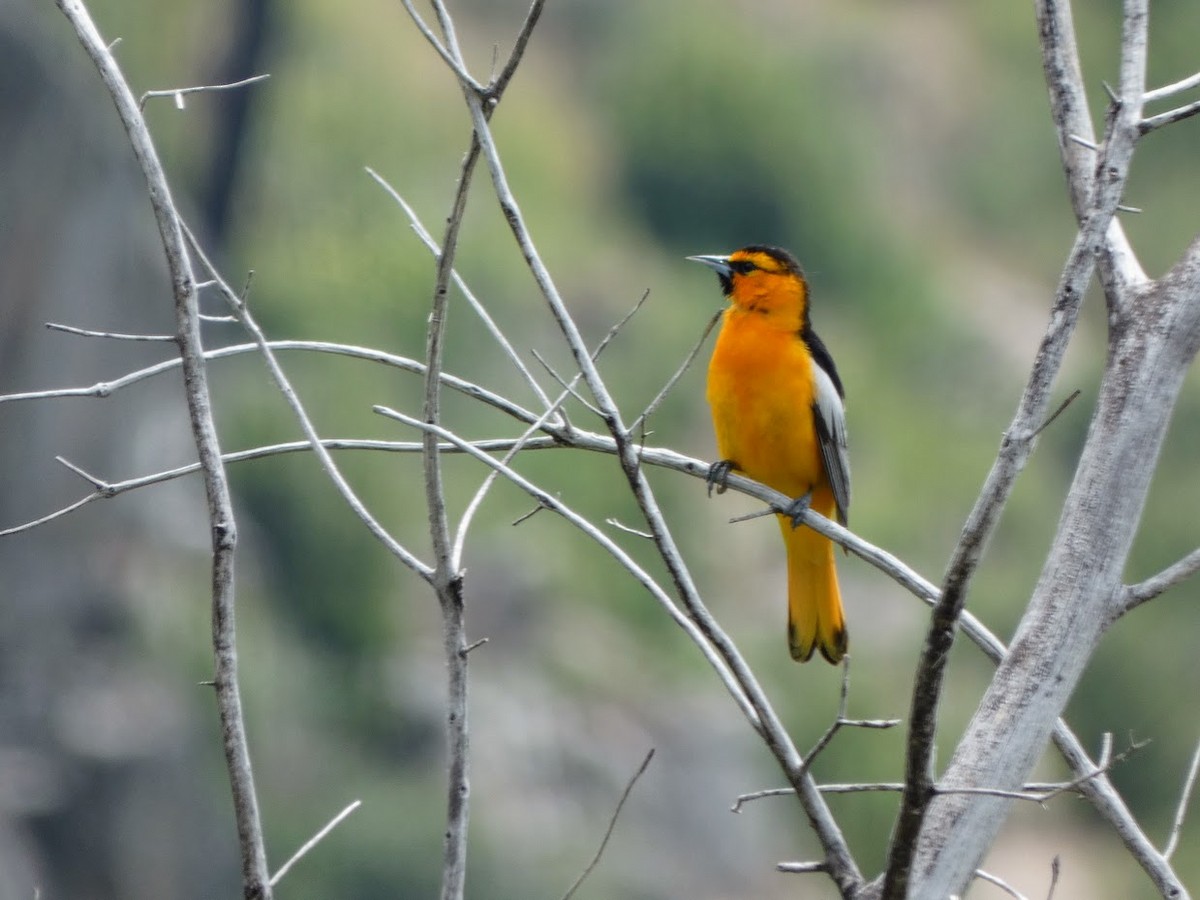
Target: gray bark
[{"x": 1154, "y": 334}]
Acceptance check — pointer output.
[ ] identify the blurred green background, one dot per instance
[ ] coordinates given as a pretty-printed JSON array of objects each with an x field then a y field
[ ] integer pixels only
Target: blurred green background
[{"x": 902, "y": 151}]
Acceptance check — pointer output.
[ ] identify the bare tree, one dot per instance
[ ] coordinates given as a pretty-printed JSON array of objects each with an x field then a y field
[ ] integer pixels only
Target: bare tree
[{"x": 946, "y": 821}]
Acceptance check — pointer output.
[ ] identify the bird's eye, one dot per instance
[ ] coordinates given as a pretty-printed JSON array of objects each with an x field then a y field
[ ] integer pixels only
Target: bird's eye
[{"x": 743, "y": 266}]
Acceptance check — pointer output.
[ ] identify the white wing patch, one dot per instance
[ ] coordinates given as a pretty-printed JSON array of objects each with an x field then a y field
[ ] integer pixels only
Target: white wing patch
[{"x": 830, "y": 417}]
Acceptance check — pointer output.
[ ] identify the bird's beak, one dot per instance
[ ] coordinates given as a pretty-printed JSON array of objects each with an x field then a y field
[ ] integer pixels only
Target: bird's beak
[{"x": 719, "y": 263}]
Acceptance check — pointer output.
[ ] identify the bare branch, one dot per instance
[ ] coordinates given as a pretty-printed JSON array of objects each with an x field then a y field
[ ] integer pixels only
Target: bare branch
[
  {"x": 1000, "y": 883},
  {"x": 464, "y": 77},
  {"x": 518, "y": 52},
  {"x": 844, "y": 870},
  {"x": 1010, "y": 718},
  {"x": 99, "y": 485},
  {"x": 1055, "y": 865},
  {"x": 1170, "y": 117},
  {"x": 1168, "y": 90},
  {"x": 180, "y": 93},
  {"x": 331, "y": 469},
  {"x": 641, "y": 420},
  {"x": 313, "y": 841},
  {"x": 569, "y": 387},
  {"x": 1037, "y": 791},
  {"x": 105, "y": 490},
  {"x": 1072, "y": 397},
  {"x": 551, "y": 502},
  {"x": 645, "y": 535},
  {"x": 802, "y": 868},
  {"x": 1137, "y": 594},
  {"x": 1069, "y": 111},
  {"x": 50, "y": 517},
  {"x": 255, "y": 877},
  {"x": 1097, "y": 789},
  {"x": 621, "y": 323},
  {"x": 1020, "y": 438},
  {"x": 112, "y": 335},
  {"x": 1185, "y": 797},
  {"x": 468, "y": 515},
  {"x": 612, "y": 823},
  {"x": 840, "y": 721},
  {"x": 104, "y": 389},
  {"x": 447, "y": 580},
  {"x": 479, "y": 308}
]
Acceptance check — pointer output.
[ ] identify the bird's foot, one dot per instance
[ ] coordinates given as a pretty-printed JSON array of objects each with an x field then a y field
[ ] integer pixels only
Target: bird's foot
[
  {"x": 718, "y": 475},
  {"x": 797, "y": 508}
]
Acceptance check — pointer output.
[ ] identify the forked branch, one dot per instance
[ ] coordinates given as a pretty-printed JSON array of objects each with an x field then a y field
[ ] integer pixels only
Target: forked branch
[{"x": 255, "y": 876}]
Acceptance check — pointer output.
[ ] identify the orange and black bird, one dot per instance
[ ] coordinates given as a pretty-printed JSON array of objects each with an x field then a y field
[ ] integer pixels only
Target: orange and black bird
[{"x": 778, "y": 413}]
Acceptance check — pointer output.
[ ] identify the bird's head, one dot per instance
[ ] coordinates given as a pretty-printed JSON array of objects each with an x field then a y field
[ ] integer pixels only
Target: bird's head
[{"x": 760, "y": 278}]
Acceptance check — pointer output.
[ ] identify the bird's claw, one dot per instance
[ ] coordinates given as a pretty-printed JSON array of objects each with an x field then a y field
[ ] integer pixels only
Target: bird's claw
[
  {"x": 797, "y": 508},
  {"x": 718, "y": 475}
]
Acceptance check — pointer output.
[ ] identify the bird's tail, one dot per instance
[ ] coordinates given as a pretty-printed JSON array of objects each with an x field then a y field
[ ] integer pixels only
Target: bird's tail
[{"x": 815, "y": 618}]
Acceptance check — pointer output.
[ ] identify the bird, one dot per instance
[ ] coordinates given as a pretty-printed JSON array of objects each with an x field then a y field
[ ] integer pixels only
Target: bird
[{"x": 778, "y": 410}]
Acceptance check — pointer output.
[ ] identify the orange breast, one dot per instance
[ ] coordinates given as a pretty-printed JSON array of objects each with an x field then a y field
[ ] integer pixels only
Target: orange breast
[{"x": 760, "y": 388}]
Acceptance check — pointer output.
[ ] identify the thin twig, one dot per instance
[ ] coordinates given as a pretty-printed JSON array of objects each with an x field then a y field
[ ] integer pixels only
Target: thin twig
[
  {"x": 1037, "y": 791},
  {"x": 569, "y": 386},
  {"x": 743, "y": 799},
  {"x": 621, "y": 323},
  {"x": 1074, "y": 395},
  {"x": 1107, "y": 760},
  {"x": 802, "y": 868},
  {"x": 625, "y": 528},
  {"x": 551, "y": 415},
  {"x": 479, "y": 308},
  {"x": 102, "y": 389},
  {"x": 1055, "y": 865},
  {"x": 464, "y": 524},
  {"x": 1168, "y": 90},
  {"x": 840, "y": 721},
  {"x": 552, "y": 502},
  {"x": 464, "y": 77},
  {"x": 1000, "y": 883},
  {"x": 501, "y": 81},
  {"x": 1185, "y": 797},
  {"x": 98, "y": 484},
  {"x": 111, "y": 335},
  {"x": 1169, "y": 118},
  {"x": 57, "y": 514},
  {"x": 179, "y": 93},
  {"x": 235, "y": 302},
  {"x": 650, "y": 409},
  {"x": 313, "y": 841},
  {"x": 106, "y": 490},
  {"x": 524, "y": 517},
  {"x": 612, "y": 824}
]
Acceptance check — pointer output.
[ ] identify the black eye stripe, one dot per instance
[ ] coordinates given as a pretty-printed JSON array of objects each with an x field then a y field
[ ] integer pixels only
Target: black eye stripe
[{"x": 743, "y": 266}]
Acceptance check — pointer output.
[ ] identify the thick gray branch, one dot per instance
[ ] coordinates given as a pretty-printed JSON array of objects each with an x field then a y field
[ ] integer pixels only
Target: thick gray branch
[{"x": 1154, "y": 332}]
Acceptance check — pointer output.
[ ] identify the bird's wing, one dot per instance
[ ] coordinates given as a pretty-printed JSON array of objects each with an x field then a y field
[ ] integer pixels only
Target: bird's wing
[{"x": 829, "y": 415}]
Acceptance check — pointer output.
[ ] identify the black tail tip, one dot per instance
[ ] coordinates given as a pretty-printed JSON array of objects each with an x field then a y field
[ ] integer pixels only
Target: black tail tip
[{"x": 833, "y": 649}]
